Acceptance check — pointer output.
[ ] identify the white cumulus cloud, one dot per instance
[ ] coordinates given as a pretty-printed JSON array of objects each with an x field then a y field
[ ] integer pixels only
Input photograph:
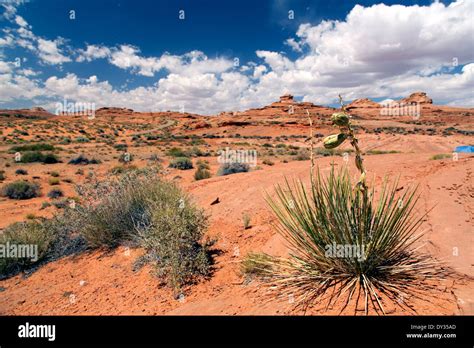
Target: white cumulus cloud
[{"x": 378, "y": 51}]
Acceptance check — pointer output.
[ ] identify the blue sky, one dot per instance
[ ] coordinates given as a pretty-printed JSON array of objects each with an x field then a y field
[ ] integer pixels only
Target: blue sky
[{"x": 140, "y": 54}]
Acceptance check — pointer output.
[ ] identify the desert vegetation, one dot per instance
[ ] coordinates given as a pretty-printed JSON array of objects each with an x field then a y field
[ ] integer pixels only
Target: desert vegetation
[
  {"x": 139, "y": 209},
  {"x": 98, "y": 197},
  {"x": 21, "y": 190},
  {"x": 233, "y": 168},
  {"x": 54, "y": 238},
  {"x": 37, "y": 156},
  {"x": 81, "y": 159},
  {"x": 347, "y": 242},
  {"x": 182, "y": 163},
  {"x": 202, "y": 171}
]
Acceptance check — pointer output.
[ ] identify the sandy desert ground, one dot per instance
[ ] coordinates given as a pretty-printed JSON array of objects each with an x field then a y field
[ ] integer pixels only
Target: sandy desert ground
[{"x": 418, "y": 149}]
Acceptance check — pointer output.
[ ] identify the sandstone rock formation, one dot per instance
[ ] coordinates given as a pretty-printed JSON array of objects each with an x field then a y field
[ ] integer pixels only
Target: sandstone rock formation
[
  {"x": 417, "y": 97},
  {"x": 38, "y": 109},
  {"x": 113, "y": 110},
  {"x": 364, "y": 103},
  {"x": 286, "y": 106},
  {"x": 34, "y": 112},
  {"x": 286, "y": 99}
]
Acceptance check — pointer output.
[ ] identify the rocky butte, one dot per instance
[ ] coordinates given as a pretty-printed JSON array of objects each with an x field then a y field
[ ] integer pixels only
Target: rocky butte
[{"x": 417, "y": 97}]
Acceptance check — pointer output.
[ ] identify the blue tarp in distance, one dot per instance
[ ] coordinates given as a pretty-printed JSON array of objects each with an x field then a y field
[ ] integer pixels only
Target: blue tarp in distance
[{"x": 464, "y": 148}]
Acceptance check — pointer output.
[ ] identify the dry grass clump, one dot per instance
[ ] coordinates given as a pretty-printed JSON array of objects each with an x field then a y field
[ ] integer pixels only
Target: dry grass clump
[
  {"x": 202, "y": 172},
  {"x": 440, "y": 156}
]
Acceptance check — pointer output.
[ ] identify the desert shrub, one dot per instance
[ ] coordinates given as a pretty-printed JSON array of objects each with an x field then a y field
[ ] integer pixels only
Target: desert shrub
[
  {"x": 81, "y": 140},
  {"x": 203, "y": 170},
  {"x": 61, "y": 204},
  {"x": 21, "y": 190},
  {"x": 440, "y": 156},
  {"x": 202, "y": 173},
  {"x": 32, "y": 235},
  {"x": 54, "y": 239},
  {"x": 155, "y": 158},
  {"x": 176, "y": 152},
  {"x": 122, "y": 169},
  {"x": 174, "y": 218},
  {"x": 125, "y": 158},
  {"x": 36, "y": 156},
  {"x": 21, "y": 132},
  {"x": 302, "y": 155},
  {"x": 50, "y": 158},
  {"x": 81, "y": 159},
  {"x": 32, "y": 156},
  {"x": 268, "y": 162},
  {"x": 45, "y": 205},
  {"x": 65, "y": 141},
  {"x": 233, "y": 168},
  {"x": 111, "y": 208},
  {"x": 182, "y": 163},
  {"x": 120, "y": 147},
  {"x": 21, "y": 171},
  {"x": 2, "y": 175},
  {"x": 203, "y": 164},
  {"x": 196, "y": 152},
  {"x": 197, "y": 141},
  {"x": 54, "y": 174},
  {"x": 152, "y": 137},
  {"x": 155, "y": 214},
  {"x": 53, "y": 181},
  {"x": 56, "y": 193},
  {"x": 33, "y": 147}
]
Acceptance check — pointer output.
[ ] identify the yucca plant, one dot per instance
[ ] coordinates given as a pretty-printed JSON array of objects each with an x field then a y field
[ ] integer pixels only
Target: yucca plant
[{"x": 347, "y": 241}]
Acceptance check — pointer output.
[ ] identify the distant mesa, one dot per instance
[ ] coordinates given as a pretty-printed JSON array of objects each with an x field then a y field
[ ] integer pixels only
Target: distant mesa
[
  {"x": 288, "y": 100},
  {"x": 285, "y": 106},
  {"x": 113, "y": 110},
  {"x": 34, "y": 112},
  {"x": 417, "y": 97},
  {"x": 364, "y": 103},
  {"x": 38, "y": 109},
  {"x": 414, "y": 98}
]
